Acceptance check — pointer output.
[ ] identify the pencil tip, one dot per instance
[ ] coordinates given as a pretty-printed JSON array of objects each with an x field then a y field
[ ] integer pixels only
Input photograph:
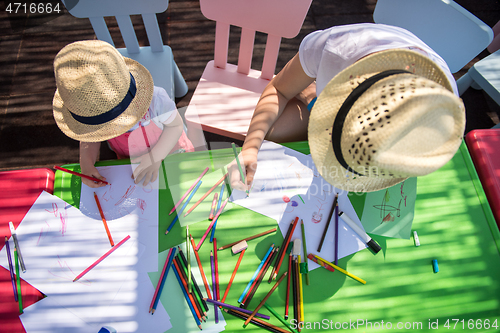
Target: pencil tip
[{"x": 166, "y": 232}]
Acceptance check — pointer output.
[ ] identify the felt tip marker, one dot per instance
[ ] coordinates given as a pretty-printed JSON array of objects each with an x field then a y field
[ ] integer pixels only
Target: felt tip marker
[{"x": 374, "y": 247}]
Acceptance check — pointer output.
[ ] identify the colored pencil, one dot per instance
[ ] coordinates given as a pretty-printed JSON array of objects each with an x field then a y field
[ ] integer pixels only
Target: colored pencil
[
  {"x": 280, "y": 258},
  {"x": 200, "y": 243},
  {"x": 301, "y": 295},
  {"x": 306, "y": 268},
  {"x": 101, "y": 258},
  {"x": 205, "y": 195},
  {"x": 189, "y": 190},
  {"x": 81, "y": 175},
  {"x": 161, "y": 282},
  {"x": 212, "y": 235},
  {"x": 195, "y": 284},
  {"x": 200, "y": 267},
  {"x": 188, "y": 250},
  {"x": 168, "y": 261},
  {"x": 257, "y": 322},
  {"x": 103, "y": 219},
  {"x": 322, "y": 264},
  {"x": 287, "y": 301},
  {"x": 239, "y": 165},
  {"x": 247, "y": 239},
  {"x": 297, "y": 287},
  {"x": 196, "y": 302},
  {"x": 282, "y": 249},
  {"x": 216, "y": 265},
  {"x": 186, "y": 297},
  {"x": 214, "y": 205},
  {"x": 275, "y": 314},
  {"x": 256, "y": 273},
  {"x": 294, "y": 290},
  {"x": 328, "y": 222},
  {"x": 11, "y": 267},
  {"x": 336, "y": 252},
  {"x": 233, "y": 275},
  {"x": 253, "y": 290},
  {"x": 233, "y": 307},
  {"x": 18, "y": 283},
  {"x": 213, "y": 285},
  {"x": 265, "y": 299},
  {"x": 183, "y": 206},
  {"x": 16, "y": 244},
  {"x": 341, "y": 270}
]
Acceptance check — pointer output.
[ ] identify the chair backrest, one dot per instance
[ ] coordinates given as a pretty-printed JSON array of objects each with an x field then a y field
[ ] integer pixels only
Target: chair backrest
[
  {"x": 276, "y": 18},
  {"x": 96, "y": 10},
  {"x": 449, "y": 29}
]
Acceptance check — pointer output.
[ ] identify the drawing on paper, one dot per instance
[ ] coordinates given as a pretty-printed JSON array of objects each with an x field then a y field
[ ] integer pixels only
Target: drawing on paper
[
  {"x": 317, "y": 216},
  {"x": 389, "y": 212}
]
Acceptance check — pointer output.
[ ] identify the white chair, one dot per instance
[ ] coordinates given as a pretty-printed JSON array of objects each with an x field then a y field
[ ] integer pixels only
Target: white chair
[
  {"x": 484, "y": 74},
  {"x": 157, "y": 57},
  {"x": 449, "y": 29},
  {"x": 226, "y": 95}
]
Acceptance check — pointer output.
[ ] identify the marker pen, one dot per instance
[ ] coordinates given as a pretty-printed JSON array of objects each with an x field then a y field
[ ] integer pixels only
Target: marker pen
[{"x": 374, "y": 247}]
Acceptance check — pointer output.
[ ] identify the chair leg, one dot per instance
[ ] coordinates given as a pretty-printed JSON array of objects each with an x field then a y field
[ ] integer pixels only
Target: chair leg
[
  {"x": 180, "y": 85},
  {"x": 463, "y": 83}
]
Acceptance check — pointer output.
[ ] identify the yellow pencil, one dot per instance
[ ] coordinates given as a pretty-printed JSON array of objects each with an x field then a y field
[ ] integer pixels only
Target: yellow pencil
[
  {"x": 340, "y": 269},
  {"x": 301, "y": 294}
]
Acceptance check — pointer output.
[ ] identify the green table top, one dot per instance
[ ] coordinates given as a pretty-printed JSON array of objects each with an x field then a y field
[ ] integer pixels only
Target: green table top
[{"x": 455, "y": 226}]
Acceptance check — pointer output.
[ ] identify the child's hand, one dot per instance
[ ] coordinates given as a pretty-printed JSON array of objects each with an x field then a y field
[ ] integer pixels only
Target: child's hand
[
  {"x": 92, "y": 172},
  {"x": 147, "y": 169},
  {"x": 248, "y": 161}
]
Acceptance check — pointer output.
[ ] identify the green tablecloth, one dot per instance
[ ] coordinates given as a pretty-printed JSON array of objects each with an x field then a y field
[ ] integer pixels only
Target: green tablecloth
[{"x": 454, "y": 224}]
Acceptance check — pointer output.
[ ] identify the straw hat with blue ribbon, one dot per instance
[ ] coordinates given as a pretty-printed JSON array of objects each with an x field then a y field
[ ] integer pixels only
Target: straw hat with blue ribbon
[
  {"x": 100, "y": 94},
  {"x": 389, "y": 116}
]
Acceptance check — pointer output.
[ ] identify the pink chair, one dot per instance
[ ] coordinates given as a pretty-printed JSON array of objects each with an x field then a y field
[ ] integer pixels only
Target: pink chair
[{"x": 226, "y": 95}]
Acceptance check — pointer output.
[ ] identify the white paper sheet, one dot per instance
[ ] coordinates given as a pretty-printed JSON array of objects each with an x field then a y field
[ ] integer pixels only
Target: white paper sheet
[{"x": 286, "y": 185}]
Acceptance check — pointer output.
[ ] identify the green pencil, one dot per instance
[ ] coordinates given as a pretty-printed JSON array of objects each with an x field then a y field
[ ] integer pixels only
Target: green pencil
[
  {"x": 188, "y": 250},
  {"x": 304, "y": 264},
  {"x": 287, "y": 324},
  {"x": 18, "y": 283},
  {"x": 239, "y": 165}
]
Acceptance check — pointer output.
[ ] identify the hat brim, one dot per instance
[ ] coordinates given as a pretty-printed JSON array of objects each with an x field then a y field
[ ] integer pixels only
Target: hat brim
[
  {"x": 113, "y": 128},
  {"x": 333, "y": 96}
]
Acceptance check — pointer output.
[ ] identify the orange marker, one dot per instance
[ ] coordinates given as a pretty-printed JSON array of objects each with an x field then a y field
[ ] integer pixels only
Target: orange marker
[{"x": 103, "y": 219}]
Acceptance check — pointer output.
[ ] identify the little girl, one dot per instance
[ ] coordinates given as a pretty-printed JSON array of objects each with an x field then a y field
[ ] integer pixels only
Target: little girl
[{"x": 103, "y": 96}]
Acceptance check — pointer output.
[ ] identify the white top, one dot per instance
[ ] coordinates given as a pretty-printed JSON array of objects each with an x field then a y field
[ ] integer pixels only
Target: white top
[
  {"x": 325, "y": 53},
  {"x": 162, "y": 110}
]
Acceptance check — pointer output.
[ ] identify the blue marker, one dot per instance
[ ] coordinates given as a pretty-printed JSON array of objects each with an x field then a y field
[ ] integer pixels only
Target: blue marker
[
  {"x": 183, "y": 206},
  {"x": 435, "y": 265}
]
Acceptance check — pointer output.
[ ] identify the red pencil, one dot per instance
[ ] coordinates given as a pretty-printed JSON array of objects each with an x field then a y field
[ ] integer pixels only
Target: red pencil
[
  {"x": 205, "y": 195},
  {"x": 101, "y": 258},
  {"x": 189, "y": 190},
  {"x": 205, "y": 282},
  {"x": 104, "y": 220},
  {"x": 185, "y": 286},
  {"x": 81, "y": 175},
  {"x": 286, "y": 241},
  {"x": 233, "y": 275},
  {"x": 159, "y": 281},
  {"x": 200, "y": 243}
]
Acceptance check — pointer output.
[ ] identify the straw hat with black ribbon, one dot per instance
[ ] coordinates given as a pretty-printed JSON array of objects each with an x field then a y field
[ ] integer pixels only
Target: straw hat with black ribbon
[
  {"x": 389, "y": 116},
  {"x": 100, "y": 94}
]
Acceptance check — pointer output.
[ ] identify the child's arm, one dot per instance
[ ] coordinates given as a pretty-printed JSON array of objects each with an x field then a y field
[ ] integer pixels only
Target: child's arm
[
  {"x": 151, "y": 162},
  {"x": 89, "y": 152}
]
